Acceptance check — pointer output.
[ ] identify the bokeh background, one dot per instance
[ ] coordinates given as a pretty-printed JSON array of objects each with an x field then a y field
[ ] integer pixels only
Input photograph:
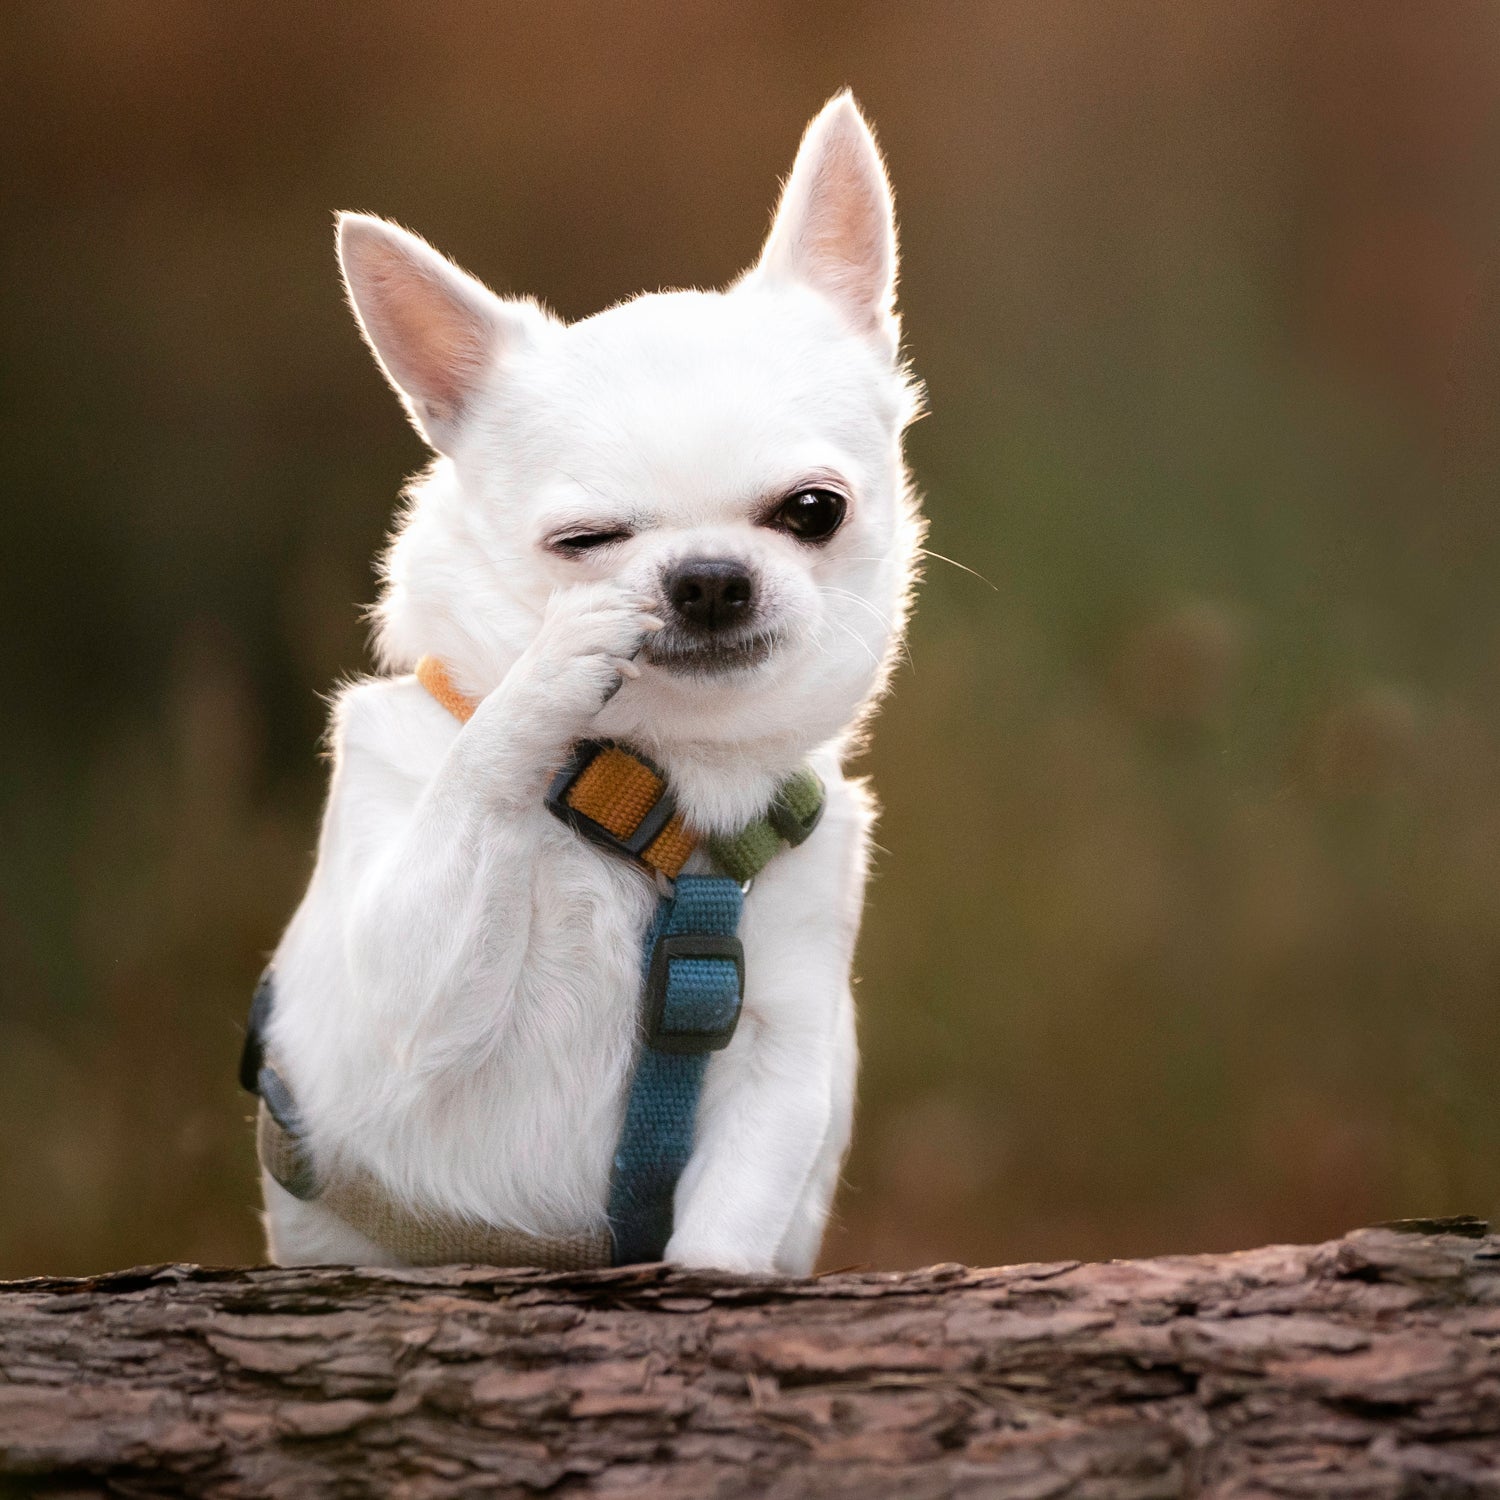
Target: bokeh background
[{"x": 1186, "y": 930}]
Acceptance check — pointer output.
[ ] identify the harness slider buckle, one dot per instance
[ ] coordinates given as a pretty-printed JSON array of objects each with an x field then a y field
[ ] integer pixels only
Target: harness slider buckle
[
  {"x": 634, "y": 844},
  {"x": 798, "y": 809},
  {"x": 669, "y": 1034}
]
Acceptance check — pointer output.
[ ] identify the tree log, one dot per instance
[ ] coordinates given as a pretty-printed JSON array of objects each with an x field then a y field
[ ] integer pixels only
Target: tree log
[{"x": 1369, "y": 1366}]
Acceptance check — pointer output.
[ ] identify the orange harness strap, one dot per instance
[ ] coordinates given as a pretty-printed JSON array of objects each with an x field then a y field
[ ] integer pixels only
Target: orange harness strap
[{"x": 433, "y": 676}]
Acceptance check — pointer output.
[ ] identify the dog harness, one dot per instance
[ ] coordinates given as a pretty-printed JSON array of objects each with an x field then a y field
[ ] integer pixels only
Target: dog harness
[{"x": 693, "y": 984}]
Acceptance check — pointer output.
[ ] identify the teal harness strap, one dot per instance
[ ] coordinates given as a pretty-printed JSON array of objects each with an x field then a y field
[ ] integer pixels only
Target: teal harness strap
[
  {"x": 695, "y": 980},
  {"x": 695, "y": 987}
]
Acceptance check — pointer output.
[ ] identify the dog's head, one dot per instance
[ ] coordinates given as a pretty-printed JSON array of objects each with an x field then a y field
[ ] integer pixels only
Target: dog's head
[{"x": 734, "y": 455}]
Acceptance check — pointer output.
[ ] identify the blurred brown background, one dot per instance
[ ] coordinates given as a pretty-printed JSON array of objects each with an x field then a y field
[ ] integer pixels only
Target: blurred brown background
[{"x": 1187, "y": 930}]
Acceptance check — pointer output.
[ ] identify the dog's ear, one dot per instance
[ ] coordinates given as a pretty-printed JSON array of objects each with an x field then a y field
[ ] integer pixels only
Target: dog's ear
[
  {"x": 435, "y": 331},
  {"x": 835, "y": 228}
]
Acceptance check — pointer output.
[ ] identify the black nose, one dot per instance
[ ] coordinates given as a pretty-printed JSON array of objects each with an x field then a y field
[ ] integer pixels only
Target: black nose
[{"x": 712, "y": 593}]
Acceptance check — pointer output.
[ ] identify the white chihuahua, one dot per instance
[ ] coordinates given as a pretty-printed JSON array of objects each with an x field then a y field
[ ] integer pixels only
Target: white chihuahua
[{"x": 682, "y": 527}]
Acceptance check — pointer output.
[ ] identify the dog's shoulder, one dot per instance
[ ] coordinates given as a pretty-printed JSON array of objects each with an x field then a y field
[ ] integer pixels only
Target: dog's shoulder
[
  {"x": 392, "y": 722},
  {"x": 850, "y": 800}
]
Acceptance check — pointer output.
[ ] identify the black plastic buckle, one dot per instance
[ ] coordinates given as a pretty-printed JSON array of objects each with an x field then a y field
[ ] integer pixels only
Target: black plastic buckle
[
  {"x": 633, "y": 845},
  {"x": 253, "y": 1055},
  {"x": 795, "y": 830},
  {"x": 690, "y": 945}
]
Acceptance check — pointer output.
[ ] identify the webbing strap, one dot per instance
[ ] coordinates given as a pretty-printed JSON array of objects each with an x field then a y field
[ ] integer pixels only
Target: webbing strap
[
  {"x": 791, "y": 817},
  {"x": 419, "y": 1238},
  {"x": 694, "y": 988}
]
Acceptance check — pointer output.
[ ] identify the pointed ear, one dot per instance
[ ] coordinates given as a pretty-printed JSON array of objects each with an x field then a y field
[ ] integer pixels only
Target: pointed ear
[
  {"x": 835, "y": 228},
  {"x": 435, "y": 331}
]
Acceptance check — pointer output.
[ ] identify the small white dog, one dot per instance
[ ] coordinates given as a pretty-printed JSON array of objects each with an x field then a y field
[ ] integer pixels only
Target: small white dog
[{"x": 683, "y": 527}]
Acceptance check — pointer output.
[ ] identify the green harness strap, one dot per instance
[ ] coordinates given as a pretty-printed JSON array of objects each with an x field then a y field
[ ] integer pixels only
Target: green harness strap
[{"x": 791, "y": 817}]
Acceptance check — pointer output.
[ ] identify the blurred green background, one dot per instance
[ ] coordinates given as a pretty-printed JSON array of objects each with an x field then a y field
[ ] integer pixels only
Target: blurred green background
[{"x": 1186, "y": 929}]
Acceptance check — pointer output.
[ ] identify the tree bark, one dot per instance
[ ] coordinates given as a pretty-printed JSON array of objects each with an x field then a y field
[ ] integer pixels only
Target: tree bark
[{"x": 1364, "y": 1367}]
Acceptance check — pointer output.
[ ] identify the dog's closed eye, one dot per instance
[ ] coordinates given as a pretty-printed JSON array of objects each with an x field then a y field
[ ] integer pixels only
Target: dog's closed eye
[{"x": 577, "y": 543}]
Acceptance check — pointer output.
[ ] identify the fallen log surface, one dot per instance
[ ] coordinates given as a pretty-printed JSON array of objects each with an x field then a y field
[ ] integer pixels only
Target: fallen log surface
[{"x": 1369, "y": 1366}]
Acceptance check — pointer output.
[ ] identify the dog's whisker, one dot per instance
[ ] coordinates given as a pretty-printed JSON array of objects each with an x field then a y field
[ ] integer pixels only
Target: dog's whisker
[
  {"x": 962, "y": 567},
  {"x": 857, "y": 639},
  {"x": 839, "y": 593},
  {"x": 849, "y": 594},
  {"x": 937, "y": 557}
]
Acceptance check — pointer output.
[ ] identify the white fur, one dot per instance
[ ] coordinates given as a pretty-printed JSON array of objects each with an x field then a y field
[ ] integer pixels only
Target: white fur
[{"x": 457, "y": 994}]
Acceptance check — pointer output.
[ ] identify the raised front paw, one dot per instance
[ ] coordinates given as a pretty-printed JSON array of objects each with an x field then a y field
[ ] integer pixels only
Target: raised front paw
[{"x": 588, "y": 642}]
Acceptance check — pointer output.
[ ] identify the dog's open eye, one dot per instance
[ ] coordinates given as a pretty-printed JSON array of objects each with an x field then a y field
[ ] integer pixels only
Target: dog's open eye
[
  {"x": 810, "y": 515},
  {"x": 586, "y": 541}
]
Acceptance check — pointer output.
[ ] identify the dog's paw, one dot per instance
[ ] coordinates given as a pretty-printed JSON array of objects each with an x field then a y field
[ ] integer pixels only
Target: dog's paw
[
  {"x": 588, "y": 642},
  {"x": 700, "y": 1253}
]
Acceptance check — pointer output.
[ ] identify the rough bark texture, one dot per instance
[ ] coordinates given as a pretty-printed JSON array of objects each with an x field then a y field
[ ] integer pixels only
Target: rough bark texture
[{"x": 1365, "y": 1367}]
